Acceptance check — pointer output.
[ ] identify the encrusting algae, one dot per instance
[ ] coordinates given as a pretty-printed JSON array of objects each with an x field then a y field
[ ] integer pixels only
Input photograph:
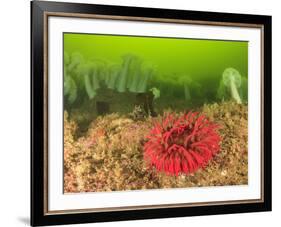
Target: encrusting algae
[{"x": 110, "y": 155}]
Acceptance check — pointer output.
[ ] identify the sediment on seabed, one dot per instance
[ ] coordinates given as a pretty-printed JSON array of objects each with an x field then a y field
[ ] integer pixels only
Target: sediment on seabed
[{"x": 109, "y": 156}]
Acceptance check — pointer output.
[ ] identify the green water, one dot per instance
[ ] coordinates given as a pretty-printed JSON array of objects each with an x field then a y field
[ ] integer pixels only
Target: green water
[{"x": 171, "y": 60}]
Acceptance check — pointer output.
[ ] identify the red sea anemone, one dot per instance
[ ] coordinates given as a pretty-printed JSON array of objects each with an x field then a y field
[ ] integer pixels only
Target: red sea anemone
[{"x": 182, "y": 144}]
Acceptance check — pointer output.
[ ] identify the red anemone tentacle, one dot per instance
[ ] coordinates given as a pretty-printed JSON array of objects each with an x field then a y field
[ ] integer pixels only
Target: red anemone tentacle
[{"x": 182, "y": 144}]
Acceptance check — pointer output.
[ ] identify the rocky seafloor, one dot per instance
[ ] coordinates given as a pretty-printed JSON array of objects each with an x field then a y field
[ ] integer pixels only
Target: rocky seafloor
[{"x": 109, "y": 156}]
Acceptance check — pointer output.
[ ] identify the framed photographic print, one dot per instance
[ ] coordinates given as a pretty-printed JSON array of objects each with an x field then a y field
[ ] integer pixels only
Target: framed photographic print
[{"x": 142, "y": 113}]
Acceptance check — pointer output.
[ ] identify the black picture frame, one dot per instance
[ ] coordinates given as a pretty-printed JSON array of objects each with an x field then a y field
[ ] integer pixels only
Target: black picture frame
[{"x": 39, "y": 12}]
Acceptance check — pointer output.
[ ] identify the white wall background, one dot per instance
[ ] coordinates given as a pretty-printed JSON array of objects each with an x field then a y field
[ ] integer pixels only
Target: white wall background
[{"x": 15, "y": 111}]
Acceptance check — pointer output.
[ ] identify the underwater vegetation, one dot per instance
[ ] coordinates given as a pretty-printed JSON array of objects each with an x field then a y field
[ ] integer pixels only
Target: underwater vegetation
[
  {"x": 88, "y": 77},
  {"x": 191, "y": 87},
  {"x": 71, "y": 64},
  {"x": 86, "y": 80},
  {"x": 96, "y": 86},
  {"x": 233, "y": 86},
  {"x": 178, "y": 86},
  {"x": 181, "y": 144},
  {"x": 110, "y": 155}
]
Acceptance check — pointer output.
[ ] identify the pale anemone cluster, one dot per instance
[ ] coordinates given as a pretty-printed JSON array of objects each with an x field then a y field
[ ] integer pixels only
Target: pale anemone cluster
[
  {"x": 131, "y": 74},
  {"x": 233, "y": 86}
]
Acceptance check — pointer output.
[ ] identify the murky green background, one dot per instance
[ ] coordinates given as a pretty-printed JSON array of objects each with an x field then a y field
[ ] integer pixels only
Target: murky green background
[{"x": 201, "y": 60}]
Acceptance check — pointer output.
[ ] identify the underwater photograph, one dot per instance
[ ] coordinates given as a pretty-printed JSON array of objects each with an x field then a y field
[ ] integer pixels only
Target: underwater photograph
[{"x": 153, "y": 112}]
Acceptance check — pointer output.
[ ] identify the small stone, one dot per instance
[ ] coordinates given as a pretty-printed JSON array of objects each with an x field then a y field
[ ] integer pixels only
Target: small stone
[{"x": 224, "y": 173}]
